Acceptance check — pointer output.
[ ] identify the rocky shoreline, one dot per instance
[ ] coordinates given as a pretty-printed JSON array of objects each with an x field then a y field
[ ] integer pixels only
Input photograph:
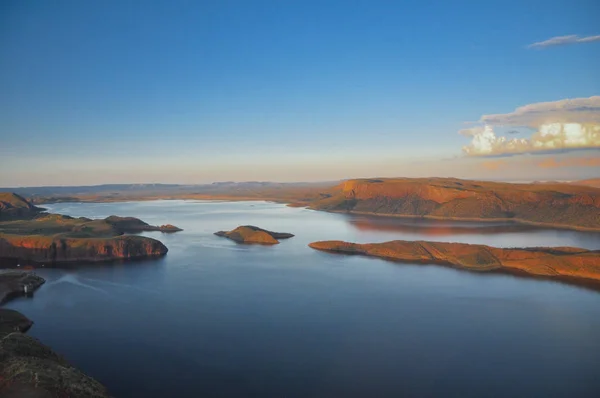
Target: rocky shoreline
[
  {"x": 561, "y": 262},
  {"x": 29, "y": 368},
  {"x": 17, "y": 283}
]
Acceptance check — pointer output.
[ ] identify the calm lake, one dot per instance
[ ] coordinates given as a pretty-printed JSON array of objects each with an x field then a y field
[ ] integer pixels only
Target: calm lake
[{"x": 218, "y": 319}]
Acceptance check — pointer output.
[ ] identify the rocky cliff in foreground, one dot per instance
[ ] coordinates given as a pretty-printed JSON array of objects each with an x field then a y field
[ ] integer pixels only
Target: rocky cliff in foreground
[
  {"x": 542, "y": 261},
  {"x": 554, "y": 205},
  {"x": 29, "y": 368}
]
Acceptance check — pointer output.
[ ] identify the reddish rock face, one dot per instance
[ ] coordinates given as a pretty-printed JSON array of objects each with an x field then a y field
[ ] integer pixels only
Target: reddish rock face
[
  {"x": 50, "y": 249},
  {"x": 561, "y": 205},
  {"x": 546, "y": 261}
]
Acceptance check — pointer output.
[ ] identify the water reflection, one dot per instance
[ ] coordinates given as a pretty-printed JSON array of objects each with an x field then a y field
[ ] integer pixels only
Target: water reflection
[
  {"x": 291, "y": 321},
  {"x": 435, "y": 227}
]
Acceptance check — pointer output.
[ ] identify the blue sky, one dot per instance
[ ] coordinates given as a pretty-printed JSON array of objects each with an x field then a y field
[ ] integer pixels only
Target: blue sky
[{"x": 200, "y": 91}]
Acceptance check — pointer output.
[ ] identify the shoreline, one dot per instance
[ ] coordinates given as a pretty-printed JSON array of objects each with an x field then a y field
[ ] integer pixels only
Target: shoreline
[
  {"x": 223, "y": 198},
  {"x": 10, "y": 263},
  {"x": 580, "y": 282},
  {"x": 12, "y": 284},
  {"x": 549, "y": 262},
  {"x": 29, "y": 367},
  {"x": 468, "y": 219},
  {"x": 296, "y": 204}
]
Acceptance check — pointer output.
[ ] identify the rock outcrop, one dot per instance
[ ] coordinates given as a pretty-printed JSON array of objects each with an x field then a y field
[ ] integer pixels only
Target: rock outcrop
[
  {"x": 168, "y": 228},
  {"x": 13, "y": 321},
  {"x": 28, "y": 368},
  {"x": 51, "y": 249},
  {"x": 252, "y": 234},
  {"x": 542, "y": 261},
  {"x": 15, "y": 283},
  {"x": 13, "y": 206},
  {"x": 555, "y": 205}
]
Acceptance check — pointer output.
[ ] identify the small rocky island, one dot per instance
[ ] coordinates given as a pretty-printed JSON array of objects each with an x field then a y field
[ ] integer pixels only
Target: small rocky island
[
  {"x": 540, "y": 261},
  {"x": 30, "y": 235},
  {"x": 28, "y": 368},
  {"x": 256, "y": 235}
]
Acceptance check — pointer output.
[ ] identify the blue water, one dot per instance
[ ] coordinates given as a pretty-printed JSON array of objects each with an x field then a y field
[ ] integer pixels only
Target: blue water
[{"x": 214, "y": 318}]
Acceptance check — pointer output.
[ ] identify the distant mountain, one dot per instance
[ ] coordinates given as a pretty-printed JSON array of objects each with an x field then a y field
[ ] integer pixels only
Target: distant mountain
[
  {"x": 90, "y": 189},
  {"x": 556, "y": 205},
  {"x": 117, "y": 192},
  {"x": 64, "y": 191}
]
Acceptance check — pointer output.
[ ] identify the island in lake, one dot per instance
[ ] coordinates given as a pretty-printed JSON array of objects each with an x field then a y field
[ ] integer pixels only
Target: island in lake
[
  {"x": 540, "y": 261},
  {"x": 29, "y": 234},
  {"x": 252, "y": 234}
]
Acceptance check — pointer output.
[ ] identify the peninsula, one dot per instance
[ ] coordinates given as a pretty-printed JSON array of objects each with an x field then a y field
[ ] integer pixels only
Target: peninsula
[
  {"x": 538, "y": 261},
  {"x": 30, "y": 235}
]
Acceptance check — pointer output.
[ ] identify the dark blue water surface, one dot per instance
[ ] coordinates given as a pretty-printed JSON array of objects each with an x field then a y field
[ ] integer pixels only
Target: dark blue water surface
[{"x": 214, "y": 318}]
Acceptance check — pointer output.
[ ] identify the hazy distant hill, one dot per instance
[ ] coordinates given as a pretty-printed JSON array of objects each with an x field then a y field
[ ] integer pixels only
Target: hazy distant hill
[
  {"x": 249, "y": 189},
  {"x": 592, "y": 182},
  {"x": 91, "y": 189}
]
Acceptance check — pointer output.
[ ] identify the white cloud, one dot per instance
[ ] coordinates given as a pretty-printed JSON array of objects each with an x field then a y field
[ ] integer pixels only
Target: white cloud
[
  {"x": 558, "y": 125},
  {"x": 564, "y": 40}
]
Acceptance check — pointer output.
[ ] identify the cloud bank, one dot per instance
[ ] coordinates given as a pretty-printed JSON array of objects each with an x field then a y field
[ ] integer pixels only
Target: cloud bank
[
  {"x": 564, "y": 40},
  {"x": 560, "y": 125}
]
